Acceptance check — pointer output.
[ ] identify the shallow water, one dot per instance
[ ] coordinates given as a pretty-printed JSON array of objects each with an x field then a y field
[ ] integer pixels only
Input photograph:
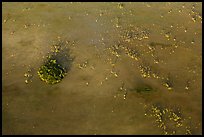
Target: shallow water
[{"x": 136, "y": 68}]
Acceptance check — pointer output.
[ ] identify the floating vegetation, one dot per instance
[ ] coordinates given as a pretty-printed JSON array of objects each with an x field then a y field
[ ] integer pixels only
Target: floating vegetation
[
  {"x": 195, "y": 16},
  {"x": 168, "y": 119},
  {"x": 164, "y": 115},
  {"x": 168, "y": 83},
  {"x": 135, "y": 33},
  {"x": 51, "y": 72},
  {"x": 147, "y": 72},
  {"x": 83, "y": 65},
  {"x": 56, "y": 66},
  {"x": 114, "y": 73},
  {"x": 132, "y": 53},
  {"x": 115, "y": 50},
  {"x": 28, "y": 75},
  {"x": 187, "y": 85}
]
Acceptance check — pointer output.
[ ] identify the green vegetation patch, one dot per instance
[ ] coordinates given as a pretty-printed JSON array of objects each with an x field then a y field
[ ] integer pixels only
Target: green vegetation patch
[{"x": 51, "y": 72}]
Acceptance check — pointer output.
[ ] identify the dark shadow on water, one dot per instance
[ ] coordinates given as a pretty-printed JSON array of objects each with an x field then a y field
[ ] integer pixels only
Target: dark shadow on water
[{"x": 63, "y": 58}]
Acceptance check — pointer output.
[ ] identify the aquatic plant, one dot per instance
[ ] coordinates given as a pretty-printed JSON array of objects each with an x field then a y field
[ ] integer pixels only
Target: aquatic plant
[
  {"x": 51, "y": 72},
  {"x": 143, "y": 89},
  {"x": 57, "y": 64}
]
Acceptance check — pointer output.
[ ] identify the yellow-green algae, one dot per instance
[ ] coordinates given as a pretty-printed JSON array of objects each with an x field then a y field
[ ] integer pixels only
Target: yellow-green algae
[{"x": 51, "y": 72}]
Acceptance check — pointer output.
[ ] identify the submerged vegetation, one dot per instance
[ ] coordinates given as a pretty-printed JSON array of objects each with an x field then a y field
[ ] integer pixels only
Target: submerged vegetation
[{"x": 143, "y": 89}]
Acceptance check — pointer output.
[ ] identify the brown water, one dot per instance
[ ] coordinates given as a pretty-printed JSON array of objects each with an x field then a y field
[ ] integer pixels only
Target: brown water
[{"x": 117, "y": 48}]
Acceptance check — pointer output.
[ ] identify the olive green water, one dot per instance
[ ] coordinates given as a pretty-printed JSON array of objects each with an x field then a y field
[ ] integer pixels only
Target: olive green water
[{"x": 132, "y": 68}]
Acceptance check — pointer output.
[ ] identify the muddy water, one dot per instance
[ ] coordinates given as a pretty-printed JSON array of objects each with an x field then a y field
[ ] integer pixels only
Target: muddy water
[{"x": 136, "y": 68}]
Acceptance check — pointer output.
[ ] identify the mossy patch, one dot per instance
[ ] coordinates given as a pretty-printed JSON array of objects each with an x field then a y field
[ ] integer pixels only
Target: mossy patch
[
  {"x": 51, "y": 72},
  {"x": 57, "y": 64}
]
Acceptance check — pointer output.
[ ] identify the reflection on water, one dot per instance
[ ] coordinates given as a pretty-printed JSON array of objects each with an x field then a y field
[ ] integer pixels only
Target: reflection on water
[{"x": 136, "y": 68}]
